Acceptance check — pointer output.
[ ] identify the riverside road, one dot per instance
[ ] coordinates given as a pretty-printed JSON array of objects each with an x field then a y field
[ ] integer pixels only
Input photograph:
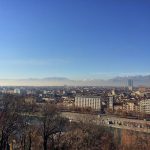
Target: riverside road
[{"x": 110, "y": 121}]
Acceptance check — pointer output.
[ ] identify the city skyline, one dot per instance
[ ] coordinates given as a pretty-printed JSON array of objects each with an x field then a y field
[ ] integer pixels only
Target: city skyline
[{"x": 74, "y": 39}]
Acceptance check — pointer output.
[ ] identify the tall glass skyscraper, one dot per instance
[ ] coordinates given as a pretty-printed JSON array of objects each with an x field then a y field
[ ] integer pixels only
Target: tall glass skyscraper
[{"x": 130, "y": 84}]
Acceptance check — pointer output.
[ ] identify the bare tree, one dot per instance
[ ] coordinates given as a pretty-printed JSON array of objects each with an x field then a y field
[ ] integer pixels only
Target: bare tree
[
  {"x": 51, "y": 125},
  {"x": 10, "y": 120},
  {"x": 87, "y": 136}
]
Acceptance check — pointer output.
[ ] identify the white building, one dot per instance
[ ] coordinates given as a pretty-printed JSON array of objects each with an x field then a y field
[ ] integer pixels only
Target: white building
[
  {"x": 17, "y": 91},
  {"x": 88, "y": 101},
  {"x": 145, "y": 106},
  {"x": 111, "y": 102}
]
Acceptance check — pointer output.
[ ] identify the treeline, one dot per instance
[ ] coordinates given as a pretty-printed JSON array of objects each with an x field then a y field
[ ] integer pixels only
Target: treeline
[{"x": 50, "y": 131}]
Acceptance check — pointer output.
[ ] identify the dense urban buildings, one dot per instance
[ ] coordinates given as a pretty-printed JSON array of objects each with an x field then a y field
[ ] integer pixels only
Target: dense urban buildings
[
  {"x": 96, "y": 98},
  {"x": 115, "y": 107}
]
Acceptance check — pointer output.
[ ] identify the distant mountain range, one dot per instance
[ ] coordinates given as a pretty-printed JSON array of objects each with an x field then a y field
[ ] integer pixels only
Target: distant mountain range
[{"x": 60, "y": 81}]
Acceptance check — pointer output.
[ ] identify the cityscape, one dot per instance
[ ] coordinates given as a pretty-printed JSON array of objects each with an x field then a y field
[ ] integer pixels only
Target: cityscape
[
  {"x": 120, "y": 108},
  {"x": 74, "y": 75}
]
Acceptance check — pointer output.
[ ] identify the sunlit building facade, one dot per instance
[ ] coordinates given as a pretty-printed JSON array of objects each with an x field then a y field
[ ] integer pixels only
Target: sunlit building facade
[
  {"x": 93, "y": 102},
  {"x": 145, "y": 106}
]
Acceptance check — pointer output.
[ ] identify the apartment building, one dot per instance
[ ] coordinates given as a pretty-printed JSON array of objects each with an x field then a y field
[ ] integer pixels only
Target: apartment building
[
  {"x": 93, "y": 102},
  {"x": 131, "y": 106},
  {"x": 145, "y": 106}
]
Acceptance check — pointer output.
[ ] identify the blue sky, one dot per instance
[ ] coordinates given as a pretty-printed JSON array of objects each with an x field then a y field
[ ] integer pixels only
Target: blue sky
[{"x": 74, "y": 38}]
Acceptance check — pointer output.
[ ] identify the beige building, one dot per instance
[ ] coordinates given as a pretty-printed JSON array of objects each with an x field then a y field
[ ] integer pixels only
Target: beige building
[
  {"x": 145, "y": 106},
  {"x": 131, "y": 106},
  {"x": 30, "y": 100},
  {"x": 68, "y": 102},
  {"x": 117, "y": 106},
  {"x": 93, "y": 102}
]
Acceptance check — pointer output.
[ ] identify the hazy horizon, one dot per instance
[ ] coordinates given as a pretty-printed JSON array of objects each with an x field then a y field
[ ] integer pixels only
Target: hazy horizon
[{"x": 138, "y": 80}]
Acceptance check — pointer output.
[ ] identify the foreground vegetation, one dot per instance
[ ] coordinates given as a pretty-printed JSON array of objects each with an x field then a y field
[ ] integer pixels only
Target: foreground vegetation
[{"x": 50, "y": 131}]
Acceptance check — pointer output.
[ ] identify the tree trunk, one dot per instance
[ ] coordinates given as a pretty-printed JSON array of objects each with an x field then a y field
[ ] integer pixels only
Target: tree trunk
[
  {"x": 30, "y": 141},
  {"x": 3, "y": 142},
  {"x": 52, "y": 144},
  {"x": 45, "y": 143}
]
